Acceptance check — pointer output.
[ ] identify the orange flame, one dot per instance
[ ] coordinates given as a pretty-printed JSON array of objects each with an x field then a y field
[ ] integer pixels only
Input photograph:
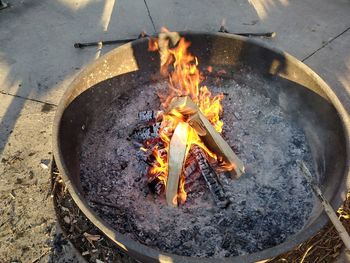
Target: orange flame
[
  {"x": 160, "y": 167},
  {"x": 184, "y": 80}
]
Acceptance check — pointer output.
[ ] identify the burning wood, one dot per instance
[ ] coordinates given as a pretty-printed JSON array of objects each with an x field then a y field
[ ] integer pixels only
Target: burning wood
[
  {"x": 156, "y": 185},
  {"x": 146, "y": 156},
  {"x": 211, "y": 179},
  {"x": 176, "y": 159},
  {"x": 191, "y": 167},
  {"x": 191, "y": 174},
  {"x": 191, "y": 117},
  {"x": 196, "y": 165},
  {"x": 211, "y": 138}
]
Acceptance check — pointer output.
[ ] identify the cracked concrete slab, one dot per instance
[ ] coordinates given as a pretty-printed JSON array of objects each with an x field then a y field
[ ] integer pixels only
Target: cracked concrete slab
[
  {"x": 332, "y": 63},
  {"x": 38, "y": 61},
  {"x": 37, "y": 57},
  {"x": 301, "y": 26}
]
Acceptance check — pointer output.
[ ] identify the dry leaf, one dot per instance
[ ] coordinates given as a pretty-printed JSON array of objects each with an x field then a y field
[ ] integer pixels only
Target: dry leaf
[{"x": 90, "y": 238}]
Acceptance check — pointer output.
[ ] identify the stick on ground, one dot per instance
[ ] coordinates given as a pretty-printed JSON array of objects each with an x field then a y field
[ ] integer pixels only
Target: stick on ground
[{"x": 326, "y": 205}]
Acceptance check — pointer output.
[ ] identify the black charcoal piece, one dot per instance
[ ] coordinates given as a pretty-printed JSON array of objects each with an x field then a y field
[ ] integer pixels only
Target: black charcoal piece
[
  {"x": 146, "y": 133},
  {"x": 156, "y": 186}
]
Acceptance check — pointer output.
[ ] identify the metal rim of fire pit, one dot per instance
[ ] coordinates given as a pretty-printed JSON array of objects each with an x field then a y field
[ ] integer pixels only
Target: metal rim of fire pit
[{"x": 143, "y": 252}]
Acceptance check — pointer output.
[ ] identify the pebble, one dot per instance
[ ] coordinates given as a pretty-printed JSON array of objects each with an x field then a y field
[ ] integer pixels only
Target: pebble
[{"x": 44, "y": 166}]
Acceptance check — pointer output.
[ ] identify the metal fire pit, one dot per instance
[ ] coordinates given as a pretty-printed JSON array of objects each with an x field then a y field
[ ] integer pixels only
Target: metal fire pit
[{"x": 327, "y": 131}]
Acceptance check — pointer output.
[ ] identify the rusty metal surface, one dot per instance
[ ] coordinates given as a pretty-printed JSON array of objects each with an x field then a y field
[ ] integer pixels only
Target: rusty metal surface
[{"x": 132, "y": 62}]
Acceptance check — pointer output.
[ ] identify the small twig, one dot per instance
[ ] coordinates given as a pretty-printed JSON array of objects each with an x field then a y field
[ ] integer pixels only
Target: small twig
[
  {"x": 41, "y": 256},
  {"x": 3, "y": 223},
  {"x": 58, "y": 179},
  {"x": 325, "y": 248},
  {"x": 305, "y": 254}
]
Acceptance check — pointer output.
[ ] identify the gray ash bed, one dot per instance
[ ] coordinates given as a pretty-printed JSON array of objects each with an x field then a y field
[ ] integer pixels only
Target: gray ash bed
[{"x": 267, "y": 205}]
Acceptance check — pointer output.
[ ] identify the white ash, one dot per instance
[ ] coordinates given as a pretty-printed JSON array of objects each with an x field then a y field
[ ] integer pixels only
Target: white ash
[{"x": 269, "y": 203}]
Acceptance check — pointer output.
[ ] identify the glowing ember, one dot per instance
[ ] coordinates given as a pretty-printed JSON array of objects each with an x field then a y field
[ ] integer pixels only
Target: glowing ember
[{"x": 184, "y": 80}]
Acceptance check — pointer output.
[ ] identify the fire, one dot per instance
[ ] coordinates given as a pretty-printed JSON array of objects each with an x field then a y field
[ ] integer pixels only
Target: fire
[
  {"x": 184, "y": 80},
  {"x": 160, "y": 167}
]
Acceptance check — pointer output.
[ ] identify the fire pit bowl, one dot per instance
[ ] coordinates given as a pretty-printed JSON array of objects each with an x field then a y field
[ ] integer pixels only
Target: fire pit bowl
[{"x": 299, "y": 91}]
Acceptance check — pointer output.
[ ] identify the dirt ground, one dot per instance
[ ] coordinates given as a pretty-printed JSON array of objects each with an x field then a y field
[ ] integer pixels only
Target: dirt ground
[{"x": 28, "y": 231}]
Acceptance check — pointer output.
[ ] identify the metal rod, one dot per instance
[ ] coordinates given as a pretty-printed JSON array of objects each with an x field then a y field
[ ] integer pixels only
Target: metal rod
[
  {"x": 3, "y": 5},
  {"x": 104, "y": 43},
  {"x": 326, "y": 205},
  {"x": 121, "y": 41},
  {"x": 109, "y": 42},
  {"x": 267, "y": 34}
]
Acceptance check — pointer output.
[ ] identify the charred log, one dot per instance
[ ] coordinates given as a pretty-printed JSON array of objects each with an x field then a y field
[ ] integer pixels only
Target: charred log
[
  {"x": 191, "y": 171},
  {"x": 211, "y": 178},
  {"x": 156, "y": 185},
  {"x": 146, "y": 133},
  {"x": 147, "y": 156}
]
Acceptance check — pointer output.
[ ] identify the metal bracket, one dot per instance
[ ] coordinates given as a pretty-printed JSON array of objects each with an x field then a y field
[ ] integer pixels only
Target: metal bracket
[{"x": 3, "y": 5}]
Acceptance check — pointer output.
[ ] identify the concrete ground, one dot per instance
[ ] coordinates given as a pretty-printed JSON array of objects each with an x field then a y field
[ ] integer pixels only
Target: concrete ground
[{"x": 38, "y": 61}]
